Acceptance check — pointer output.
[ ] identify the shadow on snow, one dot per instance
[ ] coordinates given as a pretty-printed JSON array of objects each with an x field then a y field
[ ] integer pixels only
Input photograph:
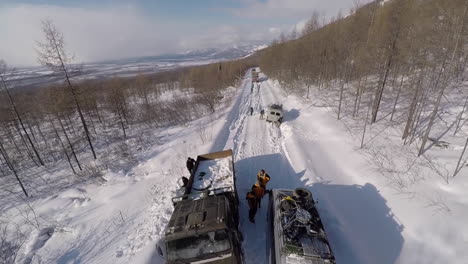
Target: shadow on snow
[
  {"x": 290, "y": 115},
  {"x": 360, "y": 226}
]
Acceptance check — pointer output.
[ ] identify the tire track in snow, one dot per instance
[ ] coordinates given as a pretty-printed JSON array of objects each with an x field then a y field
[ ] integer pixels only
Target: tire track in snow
[{"x": 222, "y": 139}]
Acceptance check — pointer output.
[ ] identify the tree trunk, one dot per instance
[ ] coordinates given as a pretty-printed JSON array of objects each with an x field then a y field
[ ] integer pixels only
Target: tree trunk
[
  {"x": 21, "y": 121},
  {"x": 11, "y": 138},
  {"x": 32, "y": 132},
  {"x": 12, "y": 168},
  {"x": 63, "y": 146},
  {"x": 411, "y": 114},
  {"x": 365, "y": 126},
  {"x": 379, "y": 94},
  {"x": 460, "y": 116},
  {"x": 358, "y": 91},
  {"x": 28, "y": 151},
  {"x": 397, "y": 97},
  {"x": 75, "y": 99},
  {"x": 434, "y": 112},
  {"x": 69, "y": 143},
  {"x": 341, "y": 92},
  {"x": 122, "y": 124},
  {"x": 458, "y": 168}
]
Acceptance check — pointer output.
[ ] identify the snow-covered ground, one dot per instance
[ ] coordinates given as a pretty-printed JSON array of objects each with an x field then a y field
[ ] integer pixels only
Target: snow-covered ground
[{"x": 367, "y": 221}]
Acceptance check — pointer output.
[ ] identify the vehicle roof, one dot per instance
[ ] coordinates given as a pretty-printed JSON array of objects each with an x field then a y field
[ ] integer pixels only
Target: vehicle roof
[
  {"x": 276, "y": 106},
  {"x": 314, "y": 248},
  {"x": 197, "y": 216}
]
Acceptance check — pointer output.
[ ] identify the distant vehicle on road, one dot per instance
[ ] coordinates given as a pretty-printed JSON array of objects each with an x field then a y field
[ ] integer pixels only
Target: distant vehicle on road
[{"x": 254, "y": 75}]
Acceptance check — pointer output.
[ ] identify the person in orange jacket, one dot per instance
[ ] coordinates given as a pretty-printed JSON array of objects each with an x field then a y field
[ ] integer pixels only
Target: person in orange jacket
[
  {"x": 252, "y": 202},
  {"x": 259, "y": 192},
  {"x": 263, "y": 178}
]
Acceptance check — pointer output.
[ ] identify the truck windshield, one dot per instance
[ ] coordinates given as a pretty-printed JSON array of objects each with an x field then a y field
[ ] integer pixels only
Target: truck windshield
[{"x": 197, "y": 246}]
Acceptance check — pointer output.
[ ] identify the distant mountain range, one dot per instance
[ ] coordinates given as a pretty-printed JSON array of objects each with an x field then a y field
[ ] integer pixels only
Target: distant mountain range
[
  {"x": 34, "y": 76},
  {"x": 228, "y": 53}
]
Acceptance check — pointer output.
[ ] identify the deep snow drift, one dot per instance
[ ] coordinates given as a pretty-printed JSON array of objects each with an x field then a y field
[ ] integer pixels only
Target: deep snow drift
[{"x": 367, "y": 221}]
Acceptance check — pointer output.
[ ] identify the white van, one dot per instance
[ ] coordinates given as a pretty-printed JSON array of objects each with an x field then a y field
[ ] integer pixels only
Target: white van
[{"x": 274, "y": 114}]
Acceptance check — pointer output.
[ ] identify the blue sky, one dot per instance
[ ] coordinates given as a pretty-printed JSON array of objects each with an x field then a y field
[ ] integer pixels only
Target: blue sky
[{"x": 109, "y": 29}]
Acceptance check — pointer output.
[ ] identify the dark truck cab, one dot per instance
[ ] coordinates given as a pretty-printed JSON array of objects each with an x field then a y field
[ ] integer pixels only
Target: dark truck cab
[{"x": 204, "y": 225}]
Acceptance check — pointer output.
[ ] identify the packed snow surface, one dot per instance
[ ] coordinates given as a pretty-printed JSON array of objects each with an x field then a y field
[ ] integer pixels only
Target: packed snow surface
[
  {"x": 213, "y": 174},
  {"x": 367, "y": 220}
]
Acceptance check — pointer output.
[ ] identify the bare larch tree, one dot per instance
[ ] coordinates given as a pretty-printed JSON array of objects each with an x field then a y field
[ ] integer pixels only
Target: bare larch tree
[{"x": 52, "y": 53}]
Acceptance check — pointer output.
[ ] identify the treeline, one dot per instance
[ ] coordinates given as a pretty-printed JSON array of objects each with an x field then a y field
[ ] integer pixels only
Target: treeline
[
  {"x": 395, "y": 60},
  {"x": 76, "y": 121}
]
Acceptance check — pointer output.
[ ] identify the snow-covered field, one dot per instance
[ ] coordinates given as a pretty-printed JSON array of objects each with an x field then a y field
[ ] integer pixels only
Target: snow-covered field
[
  {"x": 366, "y": 219},
  {"x": 132, "y": 66},
  {"x": 42, "y": 75}
]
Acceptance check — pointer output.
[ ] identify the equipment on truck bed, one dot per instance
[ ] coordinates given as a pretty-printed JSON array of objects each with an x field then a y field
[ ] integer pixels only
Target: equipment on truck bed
[{"x": 296, "y": 230}]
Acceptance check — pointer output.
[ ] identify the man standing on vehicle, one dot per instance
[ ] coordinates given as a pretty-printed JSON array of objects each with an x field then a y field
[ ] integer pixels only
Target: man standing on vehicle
[
  {"x": 252, "y": 202},
  {"x": 263, "y": 178},
  {"x": 190, "y": 164},
  {"x": 259, "y": 192}
]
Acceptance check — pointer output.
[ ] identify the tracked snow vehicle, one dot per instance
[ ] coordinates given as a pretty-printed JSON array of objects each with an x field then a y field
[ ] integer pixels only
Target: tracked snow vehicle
[
  {"x": 204, "y": 225},
  {"x": 296, "y": 233}
]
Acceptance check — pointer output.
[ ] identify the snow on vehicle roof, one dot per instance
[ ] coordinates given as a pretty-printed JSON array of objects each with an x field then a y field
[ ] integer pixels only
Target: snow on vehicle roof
[{"x": 212, "y": 174}]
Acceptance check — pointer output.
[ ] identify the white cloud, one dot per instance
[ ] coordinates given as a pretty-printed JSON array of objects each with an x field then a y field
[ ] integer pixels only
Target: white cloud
[
  {"x": 299, "y": 27},
  {"x": 274, "y": 30},
  {"x": 222, "y": 36},
  {"x": 126, "y": 31},
  {"x": 90, "y": 34},
  {"x": 119, "y": 32}
]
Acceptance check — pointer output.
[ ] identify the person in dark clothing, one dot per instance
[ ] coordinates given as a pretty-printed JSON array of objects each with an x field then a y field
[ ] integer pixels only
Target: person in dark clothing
[
  {"x": 251, "y": 110},
  {"x": 262, "y": 112},
  {"x": 259, "y": 192},
  {"x": 185, "y": 181},
  {"x": 252, "y": 202},
  {"x": 193, "y": 163},
  {"x": 190, "y": 165}
]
